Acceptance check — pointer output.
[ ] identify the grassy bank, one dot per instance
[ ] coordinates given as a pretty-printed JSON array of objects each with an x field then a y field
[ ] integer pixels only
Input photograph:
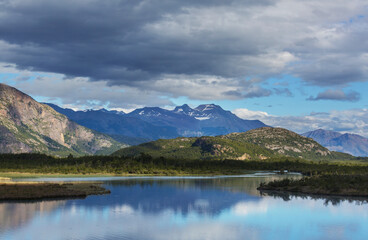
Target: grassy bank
[
  {"x": 36, "y": 191},
  {"x": 335, "y": 185}
]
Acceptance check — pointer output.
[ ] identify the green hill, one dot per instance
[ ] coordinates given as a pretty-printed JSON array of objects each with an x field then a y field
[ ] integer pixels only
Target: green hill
[
  {"x": 257, "y": 144},
  {"x": 198, "y": 148},
  {"x": 284, "y": 142}
]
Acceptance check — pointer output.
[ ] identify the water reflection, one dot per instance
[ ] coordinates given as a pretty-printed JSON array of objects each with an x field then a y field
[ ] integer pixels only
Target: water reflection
[
  {"x": 224, "y": 208},
  {"x": 14, "y": 216},
  {"x": 334, "y": 200}
]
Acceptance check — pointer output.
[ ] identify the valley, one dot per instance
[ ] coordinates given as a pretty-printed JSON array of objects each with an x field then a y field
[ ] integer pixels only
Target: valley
[{"x": 40, "y": 138}]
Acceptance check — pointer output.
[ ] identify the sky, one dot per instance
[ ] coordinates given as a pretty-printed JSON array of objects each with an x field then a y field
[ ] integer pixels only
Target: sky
[{"x": 290, "y": 63}]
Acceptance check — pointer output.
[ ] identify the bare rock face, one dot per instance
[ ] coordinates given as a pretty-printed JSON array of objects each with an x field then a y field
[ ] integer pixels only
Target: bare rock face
[
  {"x": 29, "y": 126},
  {"x": 215, "y": 149},
  {"x": 9, "y": 143}
]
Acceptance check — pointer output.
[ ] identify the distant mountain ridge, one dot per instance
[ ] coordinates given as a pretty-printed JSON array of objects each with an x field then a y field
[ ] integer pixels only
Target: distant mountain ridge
[
  {"x": 152, "y": 123},
  {"x": 349, "y": 143},
  {"x": 257, "y": 144},
  {"x": 29, "y": 126},
  {"x": 119, "y": 126}
]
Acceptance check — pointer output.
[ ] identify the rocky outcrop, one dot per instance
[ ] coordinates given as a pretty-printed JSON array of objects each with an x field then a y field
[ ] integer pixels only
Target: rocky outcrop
[
  {"x": 29, "y": 126},
  {"x": 208, "y": 145}
]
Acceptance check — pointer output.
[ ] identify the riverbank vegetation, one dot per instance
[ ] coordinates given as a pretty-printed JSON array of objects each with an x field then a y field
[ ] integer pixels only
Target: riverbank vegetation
[
  {"x": 329, "y": 184},
  {"x": 145, "y": 164},
  {"x": 36, "y": 191},
  {"x": 349, "y": 178}
]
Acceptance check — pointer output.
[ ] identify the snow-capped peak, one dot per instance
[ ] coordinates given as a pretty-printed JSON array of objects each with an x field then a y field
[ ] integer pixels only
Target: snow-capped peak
[
  {"x": 207, "y": 107},
  {"x": 184, "y": 109},
  {"x": 202, "y": 118}
]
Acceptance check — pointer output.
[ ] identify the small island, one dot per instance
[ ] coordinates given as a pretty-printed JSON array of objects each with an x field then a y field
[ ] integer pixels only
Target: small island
[
  {"x": 38, "y": 191},
  {"x": 332, "y": 185}
]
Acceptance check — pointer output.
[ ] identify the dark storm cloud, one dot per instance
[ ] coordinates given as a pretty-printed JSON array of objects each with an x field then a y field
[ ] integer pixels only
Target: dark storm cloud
[
  {"x": 138, "y": 43},
  {"x": 107, "y": 39},
  {"x": 334, "y": 70},
  {"x": 338, "y": 95}
]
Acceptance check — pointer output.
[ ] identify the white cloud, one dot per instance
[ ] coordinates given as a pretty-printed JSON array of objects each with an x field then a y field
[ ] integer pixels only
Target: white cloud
[
  {"x": 352, "y": 121},
  {"x": 79, "y": 93},
  {"x": 249, "y": 114},
  {"x": 246, "y": 208}
]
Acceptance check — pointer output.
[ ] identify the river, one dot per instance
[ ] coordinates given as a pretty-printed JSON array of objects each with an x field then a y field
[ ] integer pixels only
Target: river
[{"x": 185, "y": 208}]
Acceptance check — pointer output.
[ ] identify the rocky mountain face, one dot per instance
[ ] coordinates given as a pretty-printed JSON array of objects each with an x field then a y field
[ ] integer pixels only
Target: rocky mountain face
[
  {"x": 165, "y": 118},
  {"x": 29, "y": 126},
  {"x": 118, "y": 125},
  {"x": 256, "y": 144},
  {"x": 151, "y": 123},
  {"x": 349, "y": 143},
  {"x": 322, "y": 136},
  {"x": 204, "y": 120}
]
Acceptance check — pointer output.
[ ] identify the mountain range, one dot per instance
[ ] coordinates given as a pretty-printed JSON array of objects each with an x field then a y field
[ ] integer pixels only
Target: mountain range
[
  {"x": 349, "y": 143},
  {"x": 152, "y": 123},
  {"x": 257, "y": 144},
  {"x": 29, "y": 126}
]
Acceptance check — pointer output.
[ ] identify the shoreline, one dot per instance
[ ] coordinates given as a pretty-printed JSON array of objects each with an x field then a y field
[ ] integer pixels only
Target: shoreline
[
  {"x": 61, "y": 175},
  {"x": 281, "y": 193},
  {"x": 13, "y": 191},
  {"x": 19, "y": 175},
  {"x": 323, "y": 185}
]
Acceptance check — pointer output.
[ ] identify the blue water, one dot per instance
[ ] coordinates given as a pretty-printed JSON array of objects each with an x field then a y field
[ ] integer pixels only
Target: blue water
[{"x": 185, "y": 208}]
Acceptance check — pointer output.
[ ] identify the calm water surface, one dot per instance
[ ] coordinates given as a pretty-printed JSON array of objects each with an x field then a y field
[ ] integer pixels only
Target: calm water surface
[{"x": 185, "y": 208}]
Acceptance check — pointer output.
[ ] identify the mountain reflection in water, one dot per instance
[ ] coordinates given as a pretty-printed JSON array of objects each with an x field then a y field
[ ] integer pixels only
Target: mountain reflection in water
[{"x": 185, "y": 208}]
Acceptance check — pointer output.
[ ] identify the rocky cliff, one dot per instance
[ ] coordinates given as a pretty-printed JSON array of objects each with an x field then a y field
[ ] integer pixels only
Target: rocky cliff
[{"x": 29, "y": 126}]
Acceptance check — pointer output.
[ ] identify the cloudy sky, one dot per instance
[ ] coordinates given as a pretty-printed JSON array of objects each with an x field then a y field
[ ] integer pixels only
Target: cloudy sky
[{"x": 292, "y": 63}]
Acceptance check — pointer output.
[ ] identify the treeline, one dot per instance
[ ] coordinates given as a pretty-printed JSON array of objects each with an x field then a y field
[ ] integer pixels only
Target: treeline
[
  {"x": 329, "y": 184},
  {"x": 145, "y": 164}
]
